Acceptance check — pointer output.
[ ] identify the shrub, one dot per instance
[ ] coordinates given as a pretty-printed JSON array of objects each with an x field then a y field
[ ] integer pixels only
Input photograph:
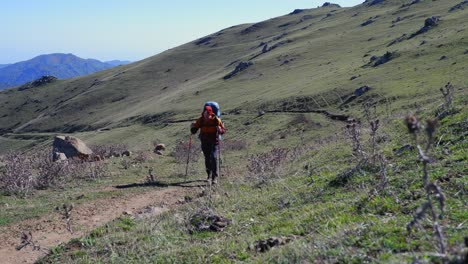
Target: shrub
[
  {"x": 234, "y": 145},
  {"x": 110, "y": 150},
  {"x": 16, "y": 176},
  {"x": 265, "y": 166},
  {"x": 181, "y": 152}
]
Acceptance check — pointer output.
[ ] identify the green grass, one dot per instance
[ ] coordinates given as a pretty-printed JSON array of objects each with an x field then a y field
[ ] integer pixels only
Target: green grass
[
  {"x": 354, "y": 222},
  {"x": 351, "y": 223}
]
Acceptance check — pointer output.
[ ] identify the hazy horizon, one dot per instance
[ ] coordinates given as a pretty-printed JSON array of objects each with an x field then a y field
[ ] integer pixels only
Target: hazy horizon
[{"x": 124, "y": 30}]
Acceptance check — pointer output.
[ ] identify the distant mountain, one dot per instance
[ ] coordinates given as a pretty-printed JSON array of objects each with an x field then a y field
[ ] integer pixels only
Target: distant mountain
[
  {"x": 3, "y": 65},
  {"x": 117, "y": 62},
  {"x": 60, "y": 65}
]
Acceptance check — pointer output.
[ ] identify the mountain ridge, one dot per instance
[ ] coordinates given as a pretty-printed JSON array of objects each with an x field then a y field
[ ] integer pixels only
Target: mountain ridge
[{"x": 60, "y": 65}]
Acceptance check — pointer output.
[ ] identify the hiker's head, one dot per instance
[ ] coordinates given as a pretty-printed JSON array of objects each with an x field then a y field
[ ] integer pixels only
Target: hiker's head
[{"x": 207, "y": 111}]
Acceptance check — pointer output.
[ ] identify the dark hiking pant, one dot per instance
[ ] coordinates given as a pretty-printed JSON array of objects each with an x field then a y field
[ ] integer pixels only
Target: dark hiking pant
[{"x": 210, "y": 151}]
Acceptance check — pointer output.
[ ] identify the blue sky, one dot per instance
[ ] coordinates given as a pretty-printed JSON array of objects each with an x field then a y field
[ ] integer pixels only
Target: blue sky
[{"x": 125, "y": 30}]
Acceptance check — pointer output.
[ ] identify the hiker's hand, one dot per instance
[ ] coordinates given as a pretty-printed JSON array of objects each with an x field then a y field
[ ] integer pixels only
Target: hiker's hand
[
  {"x": 193, "y": 129},
  {"x": 221, "y": 130}
]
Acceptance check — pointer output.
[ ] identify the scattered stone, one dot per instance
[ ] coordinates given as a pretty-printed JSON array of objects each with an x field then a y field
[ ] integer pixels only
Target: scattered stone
[
  {"x": 284, "y": 25},
  {"x": 352, "y": 78},
  {"x": 443, "y": 58},
  {"x": 97, "y": 158},
  {"x": 398, "y": 19},
  {"x": 362, "y": 90},
  {"x": 422, "y": 43},
  {"x": 239, "y": 68},
  {"x": 397, "y": 40},
  {"x": 72, "y": 147},
  {"x": 460, "y": 6},
  {"x": 466, "y": 52},
  {"x": 376, "y": 60},
  {"x": 128, "y": 213},
  {"x": 358, "y": 92},
  {"x": 39, "y": 82},
  {"x": 160, "y": 147},
  {"x": 367, "y": 22},
  {"x": 401, "y": 150},
  {"x": 265, "y": 245},
  {"x": 207, "y": 220},
  {"x": 127, "y": 153},
  {"x": 158, "y": 152}
]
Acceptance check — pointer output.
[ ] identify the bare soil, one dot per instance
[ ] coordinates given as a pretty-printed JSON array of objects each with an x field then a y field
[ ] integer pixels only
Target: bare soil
[{"x": 51, "y": 230}]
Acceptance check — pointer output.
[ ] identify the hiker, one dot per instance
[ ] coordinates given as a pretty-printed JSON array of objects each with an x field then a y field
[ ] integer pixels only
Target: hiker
[{"x": 211, "y": 128}]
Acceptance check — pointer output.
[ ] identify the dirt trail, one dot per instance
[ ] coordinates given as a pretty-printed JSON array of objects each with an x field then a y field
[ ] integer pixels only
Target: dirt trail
[{"x": 50, "y": 230}]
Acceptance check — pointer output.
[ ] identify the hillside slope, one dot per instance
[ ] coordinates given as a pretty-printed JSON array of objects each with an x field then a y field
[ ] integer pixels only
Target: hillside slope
[{"x": 306, "y": 53}]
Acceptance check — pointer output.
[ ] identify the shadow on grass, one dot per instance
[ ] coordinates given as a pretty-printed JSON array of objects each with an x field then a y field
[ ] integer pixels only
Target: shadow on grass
[{"x": 185, "y": 184}]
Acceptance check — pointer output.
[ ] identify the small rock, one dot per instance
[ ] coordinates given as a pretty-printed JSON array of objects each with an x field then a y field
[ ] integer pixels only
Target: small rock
[
  {"x": 160, "y": 147},
  {"x": 158, "y": 152},
  {"x": 127, "y": 153}
]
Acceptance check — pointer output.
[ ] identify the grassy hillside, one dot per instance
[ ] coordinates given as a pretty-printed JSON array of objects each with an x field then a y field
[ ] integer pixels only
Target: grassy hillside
[{"x": 295, "y": 185}]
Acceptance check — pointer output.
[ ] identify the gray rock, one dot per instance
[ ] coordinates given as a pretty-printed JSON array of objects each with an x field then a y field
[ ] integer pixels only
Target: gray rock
[{"x": 71, "y": 147}]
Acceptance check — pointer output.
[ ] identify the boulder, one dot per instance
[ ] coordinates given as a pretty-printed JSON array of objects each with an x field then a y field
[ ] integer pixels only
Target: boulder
[{"x": 71, "y": 147}]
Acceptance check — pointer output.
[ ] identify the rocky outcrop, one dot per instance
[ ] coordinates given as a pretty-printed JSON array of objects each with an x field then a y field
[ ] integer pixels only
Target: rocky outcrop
[
  {"x": 328, "y": 4},
  {"x": 460, "y": 6},
  {"x": 373, "y": 2},
  {"x": 429, "y": 23},
  {"x": 379, "y": 60},
  {"x": 397, "y": 40},
  {"x": 410, "y": 4},
  {"x": 71, "y": 147},
  {"x": 367, "y": 22},
  {"x": 46, "y": 79},
  {"x": 358, "y": 92},
  {"x": 297, "y": 11},
  {"x": 239, "y": 68}
]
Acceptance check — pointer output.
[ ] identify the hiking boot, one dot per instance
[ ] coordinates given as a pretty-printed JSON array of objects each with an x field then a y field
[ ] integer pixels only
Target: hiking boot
[
  {"x": 214, "y": 181},
  {"x": 209, "y": 175}
]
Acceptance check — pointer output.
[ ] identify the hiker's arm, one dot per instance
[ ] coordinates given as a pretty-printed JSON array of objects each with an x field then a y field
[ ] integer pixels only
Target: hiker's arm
[
  {"x": 221, "y": 129},
  {"x": 195, "y": 126}
]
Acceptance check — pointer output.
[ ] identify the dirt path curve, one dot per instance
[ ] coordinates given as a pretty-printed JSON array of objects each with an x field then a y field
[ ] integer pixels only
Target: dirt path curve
[{"x": 50, "y": 230}]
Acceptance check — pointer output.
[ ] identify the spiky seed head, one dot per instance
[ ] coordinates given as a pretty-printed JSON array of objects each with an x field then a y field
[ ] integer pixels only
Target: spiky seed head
[{"x": 412, "y": 123}]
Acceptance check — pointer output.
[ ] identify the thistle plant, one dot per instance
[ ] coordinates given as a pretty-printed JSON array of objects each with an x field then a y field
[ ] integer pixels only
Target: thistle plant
[{"x": 432, "y": 189}]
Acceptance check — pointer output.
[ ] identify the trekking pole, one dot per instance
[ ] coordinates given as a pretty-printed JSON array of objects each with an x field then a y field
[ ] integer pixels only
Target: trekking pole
[
  {"x": 188, "y": 156},
  {"x": 219, "y": 159}
]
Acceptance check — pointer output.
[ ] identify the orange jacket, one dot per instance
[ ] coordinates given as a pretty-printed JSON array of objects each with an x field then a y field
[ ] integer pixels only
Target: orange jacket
[{"x": 209, "y": 129}]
